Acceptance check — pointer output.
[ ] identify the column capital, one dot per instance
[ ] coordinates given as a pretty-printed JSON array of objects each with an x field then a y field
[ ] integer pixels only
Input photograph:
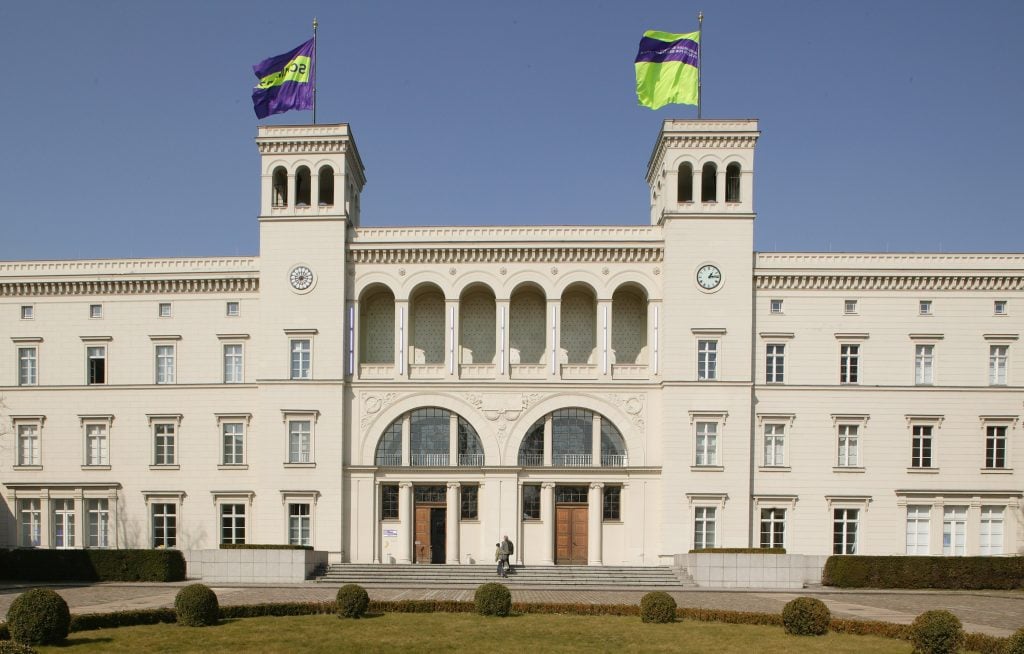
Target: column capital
[
  {"x": 548, "y": 485},
  {"x": 405, "y": 484},
  {"x": 454, "y": 484},
  {"x": 597, "y": 484}
]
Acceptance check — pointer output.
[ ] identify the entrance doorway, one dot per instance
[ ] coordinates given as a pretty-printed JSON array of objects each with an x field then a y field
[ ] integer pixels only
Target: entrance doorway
[
  {"x": 571, "y": 521},
  {"x": 430, "y": 524}
]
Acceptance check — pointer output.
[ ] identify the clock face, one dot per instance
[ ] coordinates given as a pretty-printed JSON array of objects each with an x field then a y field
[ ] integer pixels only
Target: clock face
[
  {"x": 301, "y": 278},
  {"x": 709, "y": 277}
]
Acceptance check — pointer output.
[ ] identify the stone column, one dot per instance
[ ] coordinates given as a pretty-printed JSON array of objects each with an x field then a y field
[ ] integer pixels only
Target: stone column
[
  {"x": 595, "y": 441},
  {"x": 547, "y": 441},
  {"x": 376, "y": 522},
  {"x": 453, "y": 439},
  {"x": 406, "y": 441},
  {"x": 405, "y": 525},
  {"x": 595, "y": 512},
  {"x": 720, "y": 186},
  {"x": 454, "y": 515},
  {"x": 547, "y": 520},
  {"x": 46, "y": 523}
]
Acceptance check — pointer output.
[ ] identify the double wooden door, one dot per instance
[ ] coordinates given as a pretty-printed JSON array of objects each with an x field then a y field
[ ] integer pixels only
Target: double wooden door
[
  {"x": 571, "y": 534},
  {"x": 429, "y": 541}
]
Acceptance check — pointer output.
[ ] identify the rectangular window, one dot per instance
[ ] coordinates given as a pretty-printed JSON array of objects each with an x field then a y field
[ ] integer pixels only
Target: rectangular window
[
  {"x": 468, "y": 497},
  {"x": 774, "y": 445},
  {"x": 231, "y": 309},
  {"x": 164, "y": 310},
  {"x": 299, "y": 441},
  {"x": 924, "y": 307},
  {"x": 703, "y": 527},
  {"x": 850, "y": 306},
  {"x": 774, "y": 364},
  {"x": 63, "y": 523},
  {"x": 28, "y": 312},
  {"x": 164, "y": 450},
  {"x": 299, "y": 524},
  {"x": 165, "y": 525},
  {"x": 924, "y": 363},
  {"x": 707, "y": 359},
  {"x": 612, "y": 503},
  {"x": 918, "y": 528},
  {"x": 95, "y": 310},
  {"x": 995, "y": 446},
  {"x": 707, "y": 444},
  {"x": 96, "y": 362},
  {"x": 301, "y": 358},
  {"x": 954, "y": 531},
  {"x": 991, "y": 534},
  {"x": 776, "y": 306},
  {"x": 165, "y": 364},
  {"x": 849, "y": 363},
  {"x": 388, "y": 502},
  {"x": 773, "y": 528},
  {"x": 999, "y": 307},
  {"x": 844, "y": 531},
  {"x": 232, "y": 524},
  {"x": 921, "y": 447},
  {"x": 848, "y": 446},
  {"x": 233, "y": 363},
  {"x": 28, "y": 445},
  {"x": 997, "y": 359},
  {"x": 97, "y": 451},
  {"x": 30, "y": 519},
  {"x": 98, "y": 514},
  {"x": 28, "y": 366},
  {"x": 233, "y": 441},
  {"x": 531, "y": 502}
]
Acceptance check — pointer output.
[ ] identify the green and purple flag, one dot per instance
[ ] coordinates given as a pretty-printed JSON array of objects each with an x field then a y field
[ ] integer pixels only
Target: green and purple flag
[
  {"x": 285, "y": 82},
  {"x": 667, "y": 69}
]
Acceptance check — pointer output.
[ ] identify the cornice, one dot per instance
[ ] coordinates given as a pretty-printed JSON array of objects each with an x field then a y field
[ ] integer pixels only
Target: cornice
[
  {"x": 191, "y": 265},
  {"x": 888, "y": 282},
  {"x": 508, "y": 234},
  {"x": 443, "y": 255},
  {"x": 191, "y": 285}
]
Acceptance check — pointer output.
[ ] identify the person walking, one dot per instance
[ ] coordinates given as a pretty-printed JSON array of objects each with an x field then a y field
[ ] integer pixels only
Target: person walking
[
  {"x": 506, "y": 549},
  {"x": 498, "y": 559}
]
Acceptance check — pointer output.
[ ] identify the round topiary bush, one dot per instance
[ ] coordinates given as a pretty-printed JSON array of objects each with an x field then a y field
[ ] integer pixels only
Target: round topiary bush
[
  {"x": 196, "y": 606},
  {"x": 657, "y": 606},
  {"x": 352, "y": 601},
  {"x": 937, "y": 632},
  {"x": 806, "y": 616},
  {"x": 11, "y": 647},
  {"x": 493, "y": 599},
  {"x": 38, "y": 617},
  {"x": 1015, "y": 643}
]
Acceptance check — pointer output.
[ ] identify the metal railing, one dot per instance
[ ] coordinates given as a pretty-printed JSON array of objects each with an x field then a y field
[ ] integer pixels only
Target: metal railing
[
  {"x": 613, "y": 460},
  {"x": 389, "y": 460},
  {"x": 572, "y": 460},
  {"x": 531, "y": 460},
  {"x": 471, "y": 460},
  {"x": 428, "y": 459}
]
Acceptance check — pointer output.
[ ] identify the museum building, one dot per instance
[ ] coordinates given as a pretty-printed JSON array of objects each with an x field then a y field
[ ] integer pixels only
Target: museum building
[{"x": 600, "y": 394}]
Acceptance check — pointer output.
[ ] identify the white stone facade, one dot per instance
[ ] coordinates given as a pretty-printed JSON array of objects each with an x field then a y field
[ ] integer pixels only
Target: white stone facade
[{"x": 602, "y": 395}]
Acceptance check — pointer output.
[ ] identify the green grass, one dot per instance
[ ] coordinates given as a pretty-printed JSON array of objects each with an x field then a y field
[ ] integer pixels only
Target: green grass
[{"x": 400, "y": 633}]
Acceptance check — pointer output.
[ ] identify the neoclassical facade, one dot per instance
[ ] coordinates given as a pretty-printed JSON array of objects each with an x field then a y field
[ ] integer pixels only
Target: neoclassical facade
[{"x": 601, "y": 395}]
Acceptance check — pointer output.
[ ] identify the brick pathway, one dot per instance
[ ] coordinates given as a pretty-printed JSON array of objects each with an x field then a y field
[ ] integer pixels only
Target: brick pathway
[{"x": 993, "y": 612}]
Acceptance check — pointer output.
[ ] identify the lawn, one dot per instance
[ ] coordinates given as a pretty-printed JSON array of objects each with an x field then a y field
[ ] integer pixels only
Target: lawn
[{"x": 398, "y": 633}]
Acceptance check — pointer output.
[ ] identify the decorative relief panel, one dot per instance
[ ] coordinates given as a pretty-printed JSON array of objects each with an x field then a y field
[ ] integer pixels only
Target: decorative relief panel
[
  {"x": 372, "y": 404},
  {"x": 634, "y": 406},
  {"x": 503, "y": 409}
]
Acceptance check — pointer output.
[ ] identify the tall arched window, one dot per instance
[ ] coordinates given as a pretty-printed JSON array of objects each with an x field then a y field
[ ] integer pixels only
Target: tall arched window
[
  {"x": 279, "y": 187},
  {"x": 303, "y": 187},
  {"x": 684, "y": 183},
  {"x": 325, "y": 192},
  {"x": 732, "y": 182},
  {"x": 431, "y": 430},
  {"x": 708, "y": 182},
  {"x": 572, "y": 440}
]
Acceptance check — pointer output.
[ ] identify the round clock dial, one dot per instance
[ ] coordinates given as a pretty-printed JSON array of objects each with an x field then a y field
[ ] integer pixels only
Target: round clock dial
[
  {"x": 709, "y": 277},
  {"x": 301, "y": 278}
]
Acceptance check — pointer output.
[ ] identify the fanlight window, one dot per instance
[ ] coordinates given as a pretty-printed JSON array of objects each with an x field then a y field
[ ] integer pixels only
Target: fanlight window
[
  {"x": 431, "y": 431},
  {"x": 572, "y": 440}
]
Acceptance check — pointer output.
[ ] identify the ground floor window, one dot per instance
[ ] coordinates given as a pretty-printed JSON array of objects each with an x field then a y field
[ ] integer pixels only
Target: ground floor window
[
  {"x": 299, "y": 524},
  {"x": 704, "y": 527},
  {"x": 63, "y": 523},
  {"x": 31, "y": 519},
  {"x": 468, "y": 496},
  {"x": 612, "y": 503},
  {"x": 531, "y": 502},
  {"x": 165, "y": 525},
  {"x": 232, "y": 523},
  {"x": 844, "y": 531},
  {"x": 773, "y": 528},
  {"x": 991, "y": 534},
  {"x": 954, "y": 531},
  {"x": 389, "y": 502},
  {"x": 918, "y": 528},
  {"x": 99, "y": 522}
]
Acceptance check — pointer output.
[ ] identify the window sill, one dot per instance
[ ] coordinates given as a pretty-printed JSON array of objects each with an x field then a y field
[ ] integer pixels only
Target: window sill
[
  {"x": 608, "y": 521},
  {"x": 707, "y": 468},
  {"x": 96, "y": 467},
  {"x": 299, "y": 465},
  {"x": 29, "y": 467},
  {"x": 847, "y": 468},
  {"x": 173, "y": 466},
  {"x": 923, "y": 471},
  {"x": 997, "y": 471},
  {"x": 774, "y": 469},
  {"x": 233, "y": 466}
]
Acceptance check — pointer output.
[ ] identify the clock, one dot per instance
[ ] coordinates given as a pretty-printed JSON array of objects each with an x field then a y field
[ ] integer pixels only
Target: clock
[
  {"x": 709, "y": 277},
  {"x": 301, "y": 278}
]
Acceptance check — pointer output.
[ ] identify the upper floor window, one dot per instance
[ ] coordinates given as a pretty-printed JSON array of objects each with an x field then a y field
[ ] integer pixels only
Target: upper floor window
[
  {"x": 707, "y": 444},
  {"x": 684, "y": 182},
  {"x": 28, "y": 312},
  {"x": 709, "y": 183},
  {"x": 707, "y": 359},
  {"x": 28, "y": 366},
  {"x": 301, "y": 358},
  {"x": 924, "y": 360},
  {"x": 924, "y": 307},
  {"x": 850, "y": 307},
  {"x": 97, "y": 444},
  {"x": 774, "y": 445},
  {"x": 432, "y": 434},
  {"x": 165, "y": 444},
  {"x": 28, "y": 444},
  {"x": 165, "y": 364},
  {"x": 995, "y": 446},
  {"x": 998, "y": 356},
  {"x": 849, "y": 363},
  {"x": 232, "y": 443},
  {"x": 775, "y": 306},
  {"x": 774, "y": 363},
  {"x": 999, "y": 307},
  {"x": 849, "y": 446},
  {"x": 921, "y": 446},
  {"x": 732, "y": 182},
  {"x": 300, "y": 441},
  {"x": 164, "y": 310},
  {"x": 95, "y": 310},
  {"x": 572, "y": 433},
  {"x": 96, "y": 364},
  {"x": 231, "y": 309},
  {"x": 233, "y": 363}
]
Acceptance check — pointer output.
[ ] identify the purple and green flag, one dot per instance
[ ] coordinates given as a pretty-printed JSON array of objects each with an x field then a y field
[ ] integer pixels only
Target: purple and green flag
[
  {"x": 286, "y": 82},
  {"x": 667, "y": 69}
]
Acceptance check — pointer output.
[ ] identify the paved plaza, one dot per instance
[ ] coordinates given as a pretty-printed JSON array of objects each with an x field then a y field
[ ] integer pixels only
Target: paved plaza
[{"x": 998, "y": 613}]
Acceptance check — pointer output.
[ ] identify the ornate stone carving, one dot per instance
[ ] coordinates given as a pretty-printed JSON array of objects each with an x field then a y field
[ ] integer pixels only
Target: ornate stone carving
[
  {"x": 372, "y": 404},
  {"x": 633, "y": 406},
  {"x": 451, "y": 271},
  {"x": 554, "y": 270}
]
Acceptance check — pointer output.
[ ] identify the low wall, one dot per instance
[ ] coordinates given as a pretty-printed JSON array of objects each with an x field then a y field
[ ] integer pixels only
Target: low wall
[
  {"x": 716, "y": 570},
  {"x": 252, "y": 566}
]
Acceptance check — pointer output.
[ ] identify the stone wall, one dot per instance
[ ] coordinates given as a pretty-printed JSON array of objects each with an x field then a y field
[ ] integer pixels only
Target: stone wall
[{"x": 253, "y": 566}]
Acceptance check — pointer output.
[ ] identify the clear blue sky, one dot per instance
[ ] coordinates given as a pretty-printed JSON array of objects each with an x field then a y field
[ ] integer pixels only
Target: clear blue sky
[{"x": 128, "y": 126}]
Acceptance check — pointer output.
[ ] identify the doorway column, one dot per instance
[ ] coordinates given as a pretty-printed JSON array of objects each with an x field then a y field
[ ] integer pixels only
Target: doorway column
[
  {"x": 595, "y": 511},
  {"x": 405, "y": 525},
  {"x": 547, "y": 519},
  {"x": 451, "y": 524}
]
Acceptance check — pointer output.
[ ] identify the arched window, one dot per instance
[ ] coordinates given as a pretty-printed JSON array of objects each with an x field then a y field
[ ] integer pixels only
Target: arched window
[
  {"x": 572, "y": 440},
  {"x": 279, "y": 188},
  {"x": 708, "y": 182},
  {"x": 732, "y": 182},
  {"x": 303, "y": 187},
  {"x": 325, "y": 192},
  {"x": 430, "y": 433},
  {"x": 684, "y": 183}
]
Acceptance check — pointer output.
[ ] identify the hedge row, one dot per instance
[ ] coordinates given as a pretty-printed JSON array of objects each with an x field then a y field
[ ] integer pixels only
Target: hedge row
[
  {"x": 953, "y": 572},
  {"x": 253, "y": 546},
  {"x": 92, "y": 565},
  {"x": 740, "y": 550}
]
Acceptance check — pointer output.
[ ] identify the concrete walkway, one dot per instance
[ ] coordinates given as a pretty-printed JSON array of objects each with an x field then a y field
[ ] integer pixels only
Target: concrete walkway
[{"x": 998, "y": 613}]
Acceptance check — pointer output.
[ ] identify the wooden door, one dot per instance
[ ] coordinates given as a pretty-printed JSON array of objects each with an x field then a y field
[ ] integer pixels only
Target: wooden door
[
  {"x": 571, "y": 534},
  {"x": 421, "y": 542}
]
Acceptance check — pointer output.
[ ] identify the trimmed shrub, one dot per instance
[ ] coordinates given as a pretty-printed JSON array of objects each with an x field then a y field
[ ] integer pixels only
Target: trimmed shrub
[
  {"x": 953, "y": 572},
  {"x": 740, "y": 550},
  {"x": 493, "y": 599},
  {"x": 254, "y": 546},
  {"x": 92, "y": 565},
  {"x": 657, "y": 606},
  {"x": 1015, "y": 643},
  {"x": 806, "y": 616},
  {"x": 196, "y": 606},
  {"x": 352, "y": 601},
  {"x": 11, "y": 647},
  {"x": 39, "y": 617},
  {"x": 937, "y": 632}
]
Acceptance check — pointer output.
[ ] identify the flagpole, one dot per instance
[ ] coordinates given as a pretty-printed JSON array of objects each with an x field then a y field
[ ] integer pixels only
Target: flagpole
[
  {"x": 700, "y": 61},
  {"x": 315, "y": 24}
]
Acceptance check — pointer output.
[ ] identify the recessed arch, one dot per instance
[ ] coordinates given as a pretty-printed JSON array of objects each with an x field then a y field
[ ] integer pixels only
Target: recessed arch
[
  {"x": 377, "y": 325},
  {"x": 279, "y": 187},
  {"x": 527, "y": 324},
  {"x": 477, "y": 324},
  {"x": 709, "y": 182},
  {"x": 684, "y": 182},
  {"x": 629, "y": 324},
  {"x": 434, "y": 435},
  {"x": 325, "y": 190},
  {"x": 578, "y": 324},
  {"x": 427, "y": 322},
  {"x": 732, "y": 182},
  {"x": 573, "y": 431},
  {"x": 303, "y": 187}
]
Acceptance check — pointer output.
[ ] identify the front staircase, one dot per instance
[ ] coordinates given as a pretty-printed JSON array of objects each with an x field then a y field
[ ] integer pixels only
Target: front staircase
[{"x": 561, "y": 577}]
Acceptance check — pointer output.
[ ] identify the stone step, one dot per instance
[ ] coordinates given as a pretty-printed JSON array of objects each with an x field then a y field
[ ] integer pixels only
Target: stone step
[{"x": 468, "y": 576}]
